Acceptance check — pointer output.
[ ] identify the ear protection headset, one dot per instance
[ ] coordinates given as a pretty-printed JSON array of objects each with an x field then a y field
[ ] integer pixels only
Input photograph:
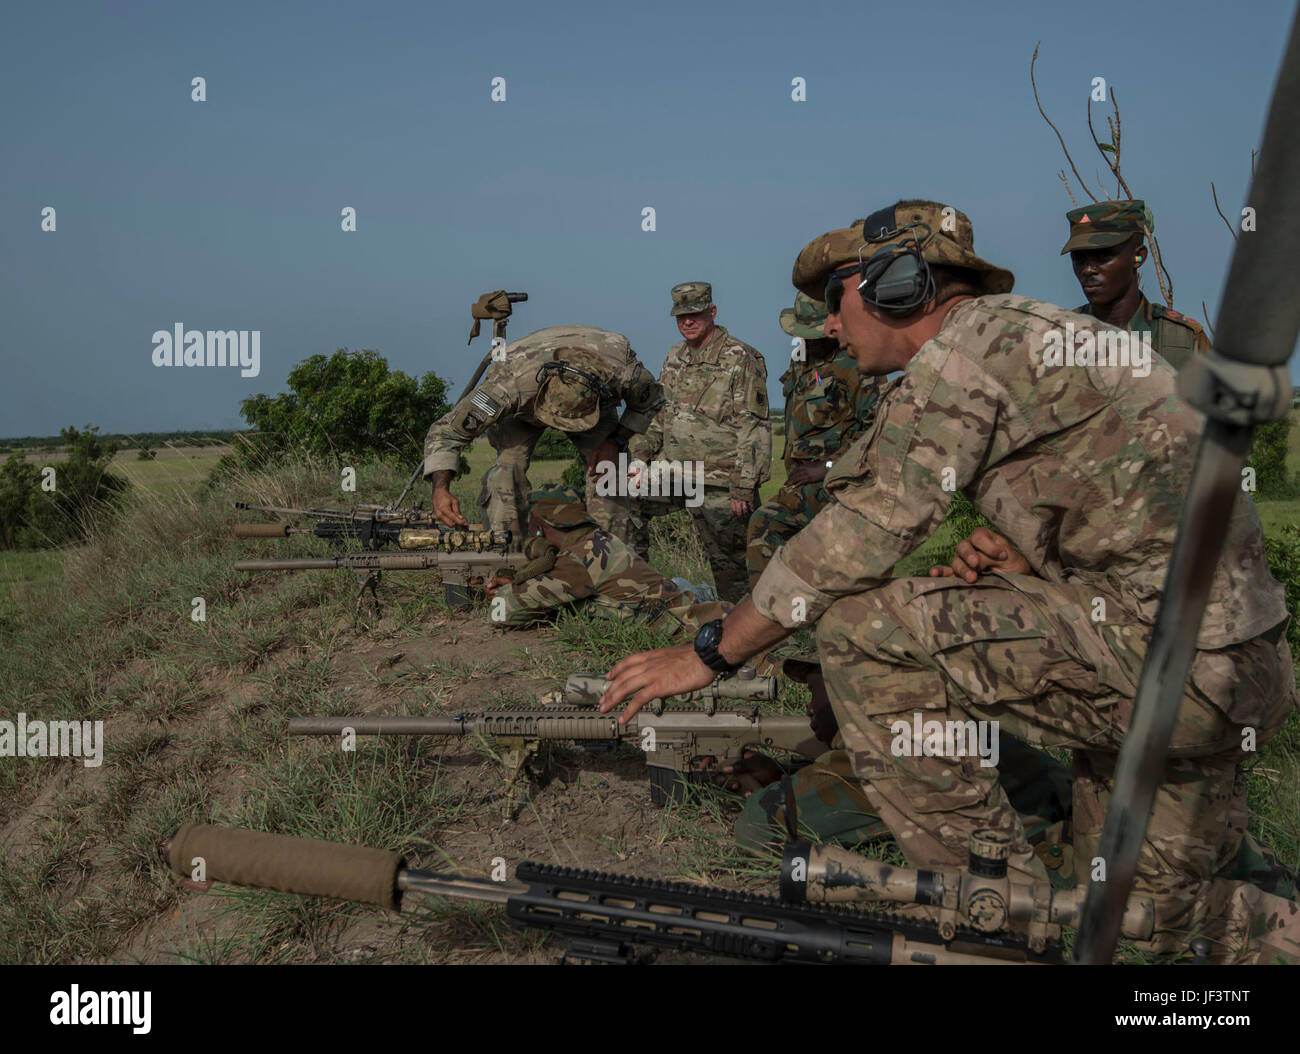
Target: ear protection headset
[{"x": 895, "y": 280}]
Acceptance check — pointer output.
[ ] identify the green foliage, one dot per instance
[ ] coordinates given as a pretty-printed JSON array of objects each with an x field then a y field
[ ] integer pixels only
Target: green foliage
[
  {"x": 1283, "y": 552},
  {"x": 84, "y": 493},
  {"x": 575, "y": 474},
  {"x": 50, "y": 444},
  {"x": 145, "y": 454},
  {"x": 349, "y": 406},
  {"x": 1268, "y": 458},
  {"x": 554, "y": 446}
]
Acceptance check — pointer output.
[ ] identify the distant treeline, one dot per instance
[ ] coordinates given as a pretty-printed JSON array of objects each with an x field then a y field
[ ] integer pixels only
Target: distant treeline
[{"x": 122, "y": 439}]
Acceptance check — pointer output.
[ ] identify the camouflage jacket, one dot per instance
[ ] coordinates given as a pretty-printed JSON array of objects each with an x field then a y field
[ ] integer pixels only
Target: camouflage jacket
[
  {"x": 1082, "y": 468},
  {"x": 828, "y": 404},
  {"x": 715, "y": 411},
  {"x": 593, "y": 565},
  {"x": 1174, "y": 337},
  {"x": 510, "y": 387}
]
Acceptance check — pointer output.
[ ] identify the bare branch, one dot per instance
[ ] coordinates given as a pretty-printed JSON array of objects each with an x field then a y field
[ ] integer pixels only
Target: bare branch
[
  {"x": 1066, "y": 181},
  {"x": 1162, "y": 275},
  {"x": 1205, "y": 314},
  {"x": 1215, "y": 194},
  {"x": 1053, "y": 127}
]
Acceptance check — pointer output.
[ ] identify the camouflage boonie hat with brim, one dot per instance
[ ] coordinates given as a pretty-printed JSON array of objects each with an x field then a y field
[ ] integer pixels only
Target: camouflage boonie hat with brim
[
  {"x": 951, "y": 248},
  {"x": 560, "y": 507},
  {"x": 569, "y": 399},
  {"x": 690, "y": 297},
  {"x": 1107, "y": 223},
  {"x": 806, "y": 319}
]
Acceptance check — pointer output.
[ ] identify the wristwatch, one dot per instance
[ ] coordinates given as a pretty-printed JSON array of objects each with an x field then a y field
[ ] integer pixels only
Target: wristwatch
[{"x": 706, "y": 647}]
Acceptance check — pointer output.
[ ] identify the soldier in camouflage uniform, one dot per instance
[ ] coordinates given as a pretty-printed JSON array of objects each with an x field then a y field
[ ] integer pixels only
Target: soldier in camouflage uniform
[
  {"x": 1106, "y": 249},
  {"x": 574, "y": 561},
  {"x": 1082, "y": 470},
  {"x": 828, "y": 404},
  {"x": 715, "y": 413},
  {"x": 568, "y": 377}
]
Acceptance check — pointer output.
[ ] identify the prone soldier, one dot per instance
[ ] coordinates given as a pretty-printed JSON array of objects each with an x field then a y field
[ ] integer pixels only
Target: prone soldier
[
  {"x": 1106, "y": 249},
  {"x": 715, "y": 413},
  {"x": 828, "y": 404},
  {"x": 568, "y": 377},
  {"x": 574, "y": 561}
]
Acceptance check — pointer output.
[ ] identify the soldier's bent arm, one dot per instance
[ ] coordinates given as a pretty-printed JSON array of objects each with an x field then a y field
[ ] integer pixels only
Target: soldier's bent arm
[
  {"x": 643, "y": 397},
  {"x": 460, "y": 426},
  {"x": 891, "y": 488},
  {"x": 535, "y": 598},
  {"x": 753, "y": 422}
]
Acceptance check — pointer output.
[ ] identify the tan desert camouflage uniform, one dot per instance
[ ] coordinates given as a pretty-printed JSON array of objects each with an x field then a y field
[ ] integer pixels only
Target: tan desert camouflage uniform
[
  {"x": 715, "y": 412},
  {"x": 1174, "y": 337},
  {"x": 828, "y": 404},
  {"x": 505, "y": 407},
  {"x": 1083, "y": 469},
  {"x": 593, "y": 567}
]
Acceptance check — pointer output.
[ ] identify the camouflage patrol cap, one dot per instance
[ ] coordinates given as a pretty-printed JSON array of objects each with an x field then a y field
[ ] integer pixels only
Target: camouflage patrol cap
[
  {"x": 945, "y": 235},
  {"x": 1107, "y": 223},
  {"x": 805, "y": 319},
  {"x": 571, "y": 386},
  {"x": 559, "y": 507},
  {"x": 690, "y": 297}
]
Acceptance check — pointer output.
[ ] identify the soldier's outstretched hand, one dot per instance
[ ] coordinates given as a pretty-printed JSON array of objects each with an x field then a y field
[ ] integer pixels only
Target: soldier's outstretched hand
[
  {"x": 984, "y": 550},
  {"x": 653, "y": 675},
  {"x": 446, "y": 509}
]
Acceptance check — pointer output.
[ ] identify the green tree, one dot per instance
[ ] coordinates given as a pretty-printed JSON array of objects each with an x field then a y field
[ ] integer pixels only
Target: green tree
[
  {"x": 348, "y": 405},
  {"x": 84, "y": 493},
  {"x": 1268, "y": 459}
]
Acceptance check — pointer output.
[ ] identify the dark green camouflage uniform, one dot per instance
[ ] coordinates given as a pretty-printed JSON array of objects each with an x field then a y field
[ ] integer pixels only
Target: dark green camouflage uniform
[
  {"x": 828, "y": 404},
  {"x": 1174, "y": 337},
  {"x": 592, "y": 567}
]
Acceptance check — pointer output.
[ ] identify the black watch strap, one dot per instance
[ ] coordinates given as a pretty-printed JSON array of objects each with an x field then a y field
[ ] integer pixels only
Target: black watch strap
[{"x": 706, "y": 647}]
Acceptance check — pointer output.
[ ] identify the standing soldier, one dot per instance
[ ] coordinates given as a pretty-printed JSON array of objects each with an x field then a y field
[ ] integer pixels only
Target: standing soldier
[
  {"x": 715, "y": 412},
  {"x": 1106, "y": 249},
  {"x": 568, "y": 377},
  {"x": 828, "y": 404}
]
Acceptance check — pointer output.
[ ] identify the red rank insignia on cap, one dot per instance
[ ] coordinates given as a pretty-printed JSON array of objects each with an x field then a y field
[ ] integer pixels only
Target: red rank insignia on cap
[{"x": 1084, "y": 218}]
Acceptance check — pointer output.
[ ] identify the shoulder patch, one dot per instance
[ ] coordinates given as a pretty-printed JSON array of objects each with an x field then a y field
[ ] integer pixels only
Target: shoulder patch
[
  {"x": 485, "y": 403},
  {"x": 1160, "y": 311}
]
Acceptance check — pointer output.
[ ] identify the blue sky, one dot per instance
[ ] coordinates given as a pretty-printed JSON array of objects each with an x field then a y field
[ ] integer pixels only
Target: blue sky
[{"x": 225, "y": 214}]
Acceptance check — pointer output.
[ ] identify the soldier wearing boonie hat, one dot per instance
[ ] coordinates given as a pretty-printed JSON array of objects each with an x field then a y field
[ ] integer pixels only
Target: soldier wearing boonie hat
[
  {"x": 1106, "y": 248},
  {"x": 715, "y": 413},
  {"x": 828, "y": 404},
  {"x": 570, "y": 378},
  {"x": 1081, "y": 470}
]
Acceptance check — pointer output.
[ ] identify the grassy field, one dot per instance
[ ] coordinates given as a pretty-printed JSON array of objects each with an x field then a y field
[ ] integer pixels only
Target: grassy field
[{"x": 194, "y": 719}]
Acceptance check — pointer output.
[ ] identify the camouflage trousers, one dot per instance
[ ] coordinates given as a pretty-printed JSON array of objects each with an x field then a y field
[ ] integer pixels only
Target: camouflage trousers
[
  {"x": 1024, "y": 653},
  {"x": 721, "y": 535},
  {"x": 776, "y": 521},
  {"x": 504, "y": 494}
]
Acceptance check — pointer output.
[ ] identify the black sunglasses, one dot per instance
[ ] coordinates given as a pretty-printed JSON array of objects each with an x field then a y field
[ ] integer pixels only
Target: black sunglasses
[{"x": 835, "y": 286}]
